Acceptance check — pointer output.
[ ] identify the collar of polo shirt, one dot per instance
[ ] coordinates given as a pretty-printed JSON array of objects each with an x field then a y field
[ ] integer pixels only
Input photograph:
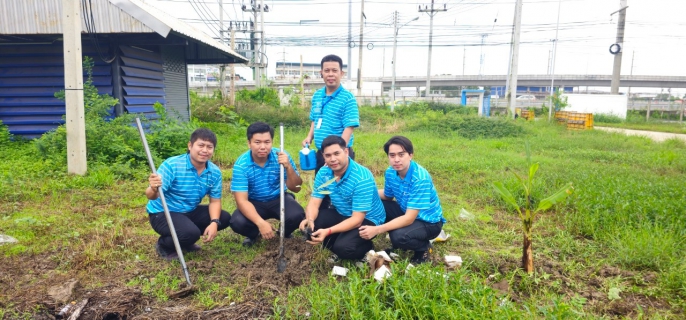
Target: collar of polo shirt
[
  {"x": 340, "y": 87},
  {"x": 189, "y": 164},
  {"x": 347, "y": 171},
  {"x": 409, "y": 173}
]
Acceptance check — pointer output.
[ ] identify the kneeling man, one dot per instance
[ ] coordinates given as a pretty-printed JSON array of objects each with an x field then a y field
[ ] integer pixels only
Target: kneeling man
[{"x": 355, "y": 202}]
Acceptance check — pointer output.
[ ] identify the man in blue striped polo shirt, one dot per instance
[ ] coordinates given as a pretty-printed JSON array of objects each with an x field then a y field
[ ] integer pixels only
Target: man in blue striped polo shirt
[
  {"x": 334, "y": 109},
  {"x": 416, "y": 216},
  {"x": 334, "y": 112},
  {"x": 185, "y": 181},
  {"x": 256, "y": 187},
  {"x": 355, "y": 202}
]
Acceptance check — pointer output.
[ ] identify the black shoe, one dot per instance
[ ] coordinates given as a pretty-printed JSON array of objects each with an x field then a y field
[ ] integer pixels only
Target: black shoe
[
  {"x": 164, "y": 254},
  {"x": 420, "y": 257},
  {"x": 389, "y": 250},
  {"x": 248, "y": 242},
  {"x": 333, "y": 259},
  {"x": 288, "y": 236}
]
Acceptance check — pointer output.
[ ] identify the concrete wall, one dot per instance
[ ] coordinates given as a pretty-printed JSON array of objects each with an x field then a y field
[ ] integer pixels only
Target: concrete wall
[{"x": 597, "y": 104}]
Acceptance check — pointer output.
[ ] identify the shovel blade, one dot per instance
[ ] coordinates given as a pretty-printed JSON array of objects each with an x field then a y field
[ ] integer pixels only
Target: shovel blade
[{"x": 281, "y": 264}]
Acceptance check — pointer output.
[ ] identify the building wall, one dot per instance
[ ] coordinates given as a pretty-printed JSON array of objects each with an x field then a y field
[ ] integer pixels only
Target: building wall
[{"x": 175, "y": 81}]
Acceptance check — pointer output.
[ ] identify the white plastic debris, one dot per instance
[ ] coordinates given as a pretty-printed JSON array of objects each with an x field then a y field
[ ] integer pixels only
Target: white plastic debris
[
  {"x": 465, "y": 215},
  {"x": 441, "y": 237},
  {"x": 7, "y": 239},
  {"x": 394, "y": 256},
  {"x": 339, "y": 271},
  {"x": 384, "y": 255},
  {"x": 382, "y": 273},
  {"x": 453, "y": 261},
  {"x": 409, "y": 266}
]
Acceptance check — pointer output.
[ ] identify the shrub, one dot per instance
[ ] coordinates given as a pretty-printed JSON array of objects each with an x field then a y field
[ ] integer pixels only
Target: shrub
[
  {"x": 264, "y": 95},
  {"x": 606, "y": 118},
  {"x": 116, "y": 142},
  {"x": 469, "y": 127},
  {"x": 290, "y": 116},
  {"x": 5, "y": 135}
]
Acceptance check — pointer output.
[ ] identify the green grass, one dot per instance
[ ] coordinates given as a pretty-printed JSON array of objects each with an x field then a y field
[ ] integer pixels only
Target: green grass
[
  {"x": 626, "y": 212},
  {"x": 637, "y": 121}
]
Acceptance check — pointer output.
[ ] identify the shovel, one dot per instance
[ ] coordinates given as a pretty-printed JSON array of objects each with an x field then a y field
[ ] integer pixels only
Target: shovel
[
  {"x": 189, "y": 288},
  {"x": 281, "y": 262}
]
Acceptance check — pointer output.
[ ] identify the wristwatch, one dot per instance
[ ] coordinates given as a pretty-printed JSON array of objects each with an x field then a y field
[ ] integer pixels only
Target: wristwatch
[{"x": 217, "y": 221}]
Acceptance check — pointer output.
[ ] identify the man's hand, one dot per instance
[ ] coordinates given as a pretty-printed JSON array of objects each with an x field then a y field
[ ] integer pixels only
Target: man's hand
[
  {"x": 319, "y": 236},
  {"x": 283, "y": 160},
  {"x": 306, "y": 142},
  {"x": 306, "y": 223},
  {"x": 210, "y": 233},
  {"x": 368, "y": 232},
  {"x": 266, "y": 230},
  {"x": 155, "y": 181}
]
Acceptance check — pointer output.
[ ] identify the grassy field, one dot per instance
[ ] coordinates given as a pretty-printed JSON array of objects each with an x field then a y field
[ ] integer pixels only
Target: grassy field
[{"x": 613, "y": 249}]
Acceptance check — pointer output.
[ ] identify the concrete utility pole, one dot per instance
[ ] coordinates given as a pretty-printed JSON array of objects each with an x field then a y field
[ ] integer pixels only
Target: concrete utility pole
[
  {"x": 431, "y": 12},
  {"x": 258, "y": 51},
  {"x": 515, "y": 56},
  {"x": 552, "y": 65},
  {"x": 350, "y": 40},
  {"x": 232, "y": 100},
  {"x": 617, "y": 67},
  {"x": 359, "y": 64},
  {"x": 262, "y": 68},
  {"x": 481, "y": 54},
  {"x": 396, "y": 29},
  {"x": 302, "y": 84},
  {"x": 73, "y": 87},
  {"x": 222, "y": 68},
  {"x": 628, "y": 95}
]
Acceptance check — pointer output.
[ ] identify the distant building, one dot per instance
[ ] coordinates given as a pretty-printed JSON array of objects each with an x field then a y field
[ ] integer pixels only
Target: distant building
[{"x": 288, "y": 70}]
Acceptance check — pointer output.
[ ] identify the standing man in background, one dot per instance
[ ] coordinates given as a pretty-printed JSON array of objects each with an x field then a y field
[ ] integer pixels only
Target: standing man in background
[{"x": 334, "y": 111}]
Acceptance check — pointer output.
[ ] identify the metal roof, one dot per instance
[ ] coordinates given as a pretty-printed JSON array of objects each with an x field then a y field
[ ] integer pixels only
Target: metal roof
[{"x": 36, "y": 17}]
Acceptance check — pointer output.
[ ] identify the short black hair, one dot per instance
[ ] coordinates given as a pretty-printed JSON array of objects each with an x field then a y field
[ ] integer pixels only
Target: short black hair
[
  {"x": 333, "y": 58},
  {"x": 260, "y": 127},
  {"x": 331, "y": 140},
  {"x": 204, "y": 134},
  {"x": 403, "y": 142}
]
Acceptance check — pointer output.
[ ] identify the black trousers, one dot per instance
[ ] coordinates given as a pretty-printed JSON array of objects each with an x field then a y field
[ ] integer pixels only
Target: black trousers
[
  {"x": 189, "y": 226},
  {"x": 293, "y": 215},
  {"x": 414, "y": 237},
  {"x": 346, "y": 245},
  {"x": 326, "y": 202}
]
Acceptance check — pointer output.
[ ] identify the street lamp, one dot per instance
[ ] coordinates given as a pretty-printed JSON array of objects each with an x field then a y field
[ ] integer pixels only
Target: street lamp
[{"x": 395, "y": 45}]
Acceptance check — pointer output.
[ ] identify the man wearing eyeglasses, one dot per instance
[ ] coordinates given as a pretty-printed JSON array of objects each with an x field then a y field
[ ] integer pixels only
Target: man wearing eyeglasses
[
  {"x": 185, "y": 181},
  {"x": 416, "y": 216},
  {"x": 256, "y": 187}
]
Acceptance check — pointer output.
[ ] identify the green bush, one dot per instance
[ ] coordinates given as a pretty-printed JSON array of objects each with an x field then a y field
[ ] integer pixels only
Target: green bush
[
  {"x": 264, "y": 95},
  {"x": 469, "y": 127},
  {"x": 5, "y": 135},
  {"x": 605, "y": 118},
  {"x": 116, "y": 142},
  {"x": 290, "y": 116}
]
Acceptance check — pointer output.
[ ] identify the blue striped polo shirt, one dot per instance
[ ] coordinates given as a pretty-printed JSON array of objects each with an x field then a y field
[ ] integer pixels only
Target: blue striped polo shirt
[
  {"x": 182, "y": 186},
  {"x": 355, "y": 192},
  {"x": 337, "y": 112},
  {"x": 416, "y": 191},
  {"x": 261, "y": 183}
]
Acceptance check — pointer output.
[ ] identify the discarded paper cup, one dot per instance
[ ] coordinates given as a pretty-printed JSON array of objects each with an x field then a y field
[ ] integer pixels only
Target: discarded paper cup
[
  {"x": 339, "y": 271},
  {"x": 382, "y": 273},
  {"x": 453, "y": 261}
]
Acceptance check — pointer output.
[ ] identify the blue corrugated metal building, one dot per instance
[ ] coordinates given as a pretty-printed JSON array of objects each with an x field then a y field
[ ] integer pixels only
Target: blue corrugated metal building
[{"x": 140, "y": 58}]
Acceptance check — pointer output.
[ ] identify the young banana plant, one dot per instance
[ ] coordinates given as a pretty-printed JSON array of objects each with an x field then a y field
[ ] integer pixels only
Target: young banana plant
[{"x": 527, "y": 212}]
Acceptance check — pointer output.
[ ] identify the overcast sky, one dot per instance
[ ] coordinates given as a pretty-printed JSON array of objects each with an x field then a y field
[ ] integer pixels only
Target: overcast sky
[{"x": 655, "y": 34}]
